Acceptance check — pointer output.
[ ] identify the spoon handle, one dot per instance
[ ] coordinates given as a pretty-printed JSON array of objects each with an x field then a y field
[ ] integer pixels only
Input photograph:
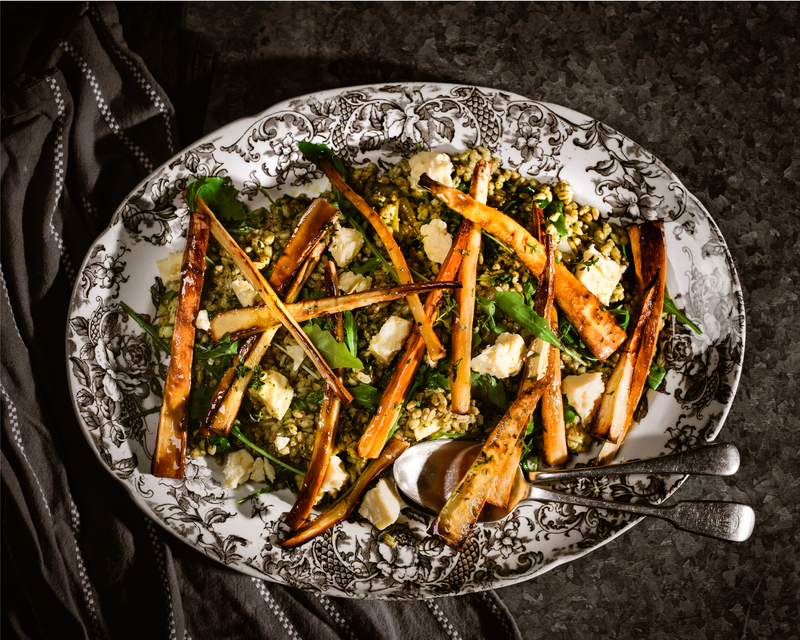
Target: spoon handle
[
  {"x": 709, "y": 460},
  {"x": 722, "y": 520}
]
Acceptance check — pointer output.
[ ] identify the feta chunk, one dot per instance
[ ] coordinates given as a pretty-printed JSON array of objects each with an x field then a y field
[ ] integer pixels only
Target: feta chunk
[
  {"x": 202, "y": 322},
  {"x": 598, "y": 274},
  {"x": 344, "y": 245},
  {"x": 335, "y": 476},
  {"x": 389, "y": 340},
  {"x": 437, "y": 165},
  {"x": 435, "y": 240},
  {"x": 294, "y": 351},
  {"x": 540, "y": 354},
  {"x": 381, "y": 505},
  {"x": 583, "y": 393},
  {"x": 170, "y": 270},
  {"x": 262, "y": 470},
  {"x": 422, "y": 431},
  {"x": 275, "y": 393},
  {"x": 350, "y": 282},
  {"x": 281, "y": 442},
  {"x": 244, "y": 292},
  {"x": 237, "y": 468},
  {"x": 503, "y": 359}
]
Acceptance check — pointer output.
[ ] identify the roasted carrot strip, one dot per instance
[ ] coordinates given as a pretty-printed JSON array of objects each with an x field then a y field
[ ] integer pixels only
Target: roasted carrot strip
[
  {"x": 273, "y": 302},
  {"x": 461, "y": 511},
  {"x": 169, "y": 458},
  {"x": 228, "y": 395},
  {"x": 310, "y": 230},
  {"x": 326, "y": 427},
  {"x": 611, "y": 417},
  {"x": 461, "y": 354},
  {"x": 391, "y": 403},
  {"x": 343, "y": 507},
  {"x": 596, "y": 326},
  {"x": 435, "y": 349}
]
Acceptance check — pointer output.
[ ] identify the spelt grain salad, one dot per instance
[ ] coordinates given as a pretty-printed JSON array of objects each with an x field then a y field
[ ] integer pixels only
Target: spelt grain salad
[{"x": 312, "y": 362}]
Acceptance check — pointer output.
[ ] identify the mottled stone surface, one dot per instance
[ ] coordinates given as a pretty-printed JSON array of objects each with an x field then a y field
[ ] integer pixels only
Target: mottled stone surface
[{"x": 714, "y": 91}]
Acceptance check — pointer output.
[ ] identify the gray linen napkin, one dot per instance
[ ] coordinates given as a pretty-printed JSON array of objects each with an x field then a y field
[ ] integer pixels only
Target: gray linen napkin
[{"x": 83, "y": 121}]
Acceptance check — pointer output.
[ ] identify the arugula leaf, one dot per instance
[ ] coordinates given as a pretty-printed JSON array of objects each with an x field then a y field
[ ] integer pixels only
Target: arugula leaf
[
  {"x": 360, "y": 228},
  {"x": 222, "y": 444},
  {"x": 226, "y": 347},
  {"x": 219, "y": 196},
  {"x": 529, "y": 291},
  {"x": 199, "y": 400},
  {"x": 316, "y": 153},
  {"x": 368, "y": 267},
  {"x": 626, "y": 316},
  {"x": 489, "y": 308},
  {"x": 158, "y": 341},
  {"x": 237, "y": 433},
  {"x": 255, "y": 494},
  {"x": 350, "y": 332},
  {"x": 141, "y": 414},
  {"x": 669, "y": 307},
  {"x": 513, "y": 305},
  {"x": 336, "y": 354},
  {"x": 366, "y": 395},
  {"x": 488, "y": 390},
  {"x": 570, "y": 415},
  {"x": 655, "y": 375}
]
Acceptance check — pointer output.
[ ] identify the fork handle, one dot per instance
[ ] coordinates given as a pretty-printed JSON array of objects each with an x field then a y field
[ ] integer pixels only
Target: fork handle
[
  {"x": 722, "y": 520},
  {"x": 710, "y": 460}
]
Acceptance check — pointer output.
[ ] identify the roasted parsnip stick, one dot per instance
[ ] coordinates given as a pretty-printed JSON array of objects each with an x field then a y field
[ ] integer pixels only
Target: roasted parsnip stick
[
  {"x": 273, "y": 302},
  {"x": 460, "y": 513},
  {"x": 326, "y": 427},
  {"x": 169, "y": 458},
  {"x": 596, "y": 326},
  {"x": 461, "y": 354},
  {"x": 240, "y": 323},
  {"x": 435, "y": 349},
  {"x": 343, "y": 507},
  {"x": 391, "y": 403}
]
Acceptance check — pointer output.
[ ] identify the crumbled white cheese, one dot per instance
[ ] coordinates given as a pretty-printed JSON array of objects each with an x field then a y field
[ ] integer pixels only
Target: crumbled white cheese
[
  {"x": 350, "y": 282},
  {"x": 424, "y": 430},
  {"x": 381, "y": 504},
  {"x": 280, "y": 443},
  {"x": 237, "y": 468},
  {"x": 389, "y": 340},
  {"x": 335, "y": 476},
  {"x": 436, "y": 240},
  {"x": 598, "y": 274},
  {"x": 275, "y": 393},
  {"x": 362, "y": 376},
  {"x": 202, "y": 321},
  {"x": 583, "y": 393},
  {"x": 437, "y": 165},
  {"x": 503, "y": 359},
  {"x": 246, "y": 294},
  {"x": 344, "y": 245},
  {"x": 170, "y": 270},
  {"x": 262, "y": 470},
  {"x": 294, "y": 351}
]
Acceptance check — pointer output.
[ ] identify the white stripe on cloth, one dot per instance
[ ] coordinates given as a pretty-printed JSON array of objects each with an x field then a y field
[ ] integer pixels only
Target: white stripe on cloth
[
  {"x": 275, "y": 608},
  {"x": 86, "y": 587},
  {"x": 330, "y": 608},
  {"x": 59, "y": 179},
  {"x": 449, "y": 629},
  {"x": 101, "y": 103},
  {"x": 10, "y": 308},
  {"x": 148, "y": 89},
  {"x": 158, "y": 547}
]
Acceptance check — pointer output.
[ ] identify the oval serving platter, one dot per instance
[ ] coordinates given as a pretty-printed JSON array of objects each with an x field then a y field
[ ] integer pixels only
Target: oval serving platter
[{"x": 114, "y": 371}]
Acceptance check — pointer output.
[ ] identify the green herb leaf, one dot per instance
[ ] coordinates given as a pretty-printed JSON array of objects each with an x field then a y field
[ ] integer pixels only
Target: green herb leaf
[
  {"x": 141, "y": 414},
  {"x": 222, "y": 444},
  {"x": 220, "y": 197},
  {"x": 316, "y": 153},
  {"x": 226, "y": 347},
  {"x": 336, "y": 354},
  {"x": 255, "y": 494},
  {"x": 368, "y": 267},
  {"x": 366, "y": 395},
  {"x": 488, "y": 390},
  {"x": 669, "y": 307},
  {"x": 158, "y": 341},
  {"x": 570, "y": 415},
  {"x": 655, "y": 375},
  {"x": 237, "y": 433},
  {"x": 513, "y": 305},
  {"x": 199, "y": 400},
  {"x": 625, "y": 316},
  {"x": 489, "y": 308},
  {"x": 350, "y": 332},
  {"x": 556, "y": 207}
]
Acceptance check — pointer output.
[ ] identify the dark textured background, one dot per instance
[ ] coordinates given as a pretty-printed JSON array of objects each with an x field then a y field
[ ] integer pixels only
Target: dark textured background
[{"x": 711, "y": 89}]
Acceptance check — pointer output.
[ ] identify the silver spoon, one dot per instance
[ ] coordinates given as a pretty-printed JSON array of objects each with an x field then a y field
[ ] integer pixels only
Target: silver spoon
[{"x": 427, "y": 473}]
